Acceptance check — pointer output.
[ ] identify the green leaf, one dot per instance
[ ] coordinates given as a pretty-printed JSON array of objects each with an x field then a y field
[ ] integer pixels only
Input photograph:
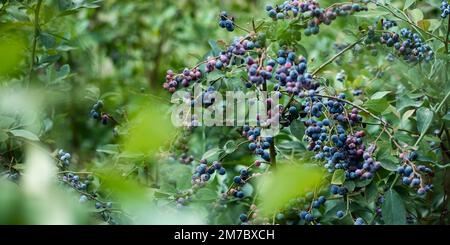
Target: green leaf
[
  {"x": 215, "y": 75},
  {"x": 108, "y": 149},
  {"x": 47, "y": 40},
  {"x": 63, "y": 71},
  {"x": 408, "y": 4},
  {"x": 377, "y": 106},
  {"x": 350, "y": 185},
  {"x": 371, "y": 193},
  {"x": 416, "y": 15},
  {"x": 385, "y": 157},
  {"x": 446, "y": 117},
  {"x": 393, "y": 209},
  {"x": 298, "y": 129},
  {"x": 424, "y": 118},
  {"x": 3, "y": 136},
  {"x": 338, "y": 177},
  {"x": 206, "y": 195},
  {"x": 6, "y": 122},
  {"x": 288, "y": 181},
  {"x": 230, "y": 146},
  {"x": 24, "y": 134},
  {"x": 212, "y": 153},
  {"x": 379, "y": 95},
  {"x": 214, "y": 48},
  {"x": 388, "y": 164}
]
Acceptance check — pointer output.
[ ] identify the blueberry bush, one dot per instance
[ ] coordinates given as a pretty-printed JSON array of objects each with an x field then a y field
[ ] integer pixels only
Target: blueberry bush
[{"x": 88, "y": 89}]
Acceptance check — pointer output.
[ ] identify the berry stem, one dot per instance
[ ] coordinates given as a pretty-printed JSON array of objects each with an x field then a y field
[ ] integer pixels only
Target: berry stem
[
  {"x": 329, "y": 61},
  {"x": 35, "y": 37},
  {"x": 273, "y": 159}
]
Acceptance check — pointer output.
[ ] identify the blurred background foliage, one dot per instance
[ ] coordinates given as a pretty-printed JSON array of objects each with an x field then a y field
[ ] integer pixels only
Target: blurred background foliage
[{"x": 118, "y": 51}]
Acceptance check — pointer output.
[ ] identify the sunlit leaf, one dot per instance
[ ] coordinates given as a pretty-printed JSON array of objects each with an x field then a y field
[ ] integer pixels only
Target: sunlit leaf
[{"x": 285, "y": 183}]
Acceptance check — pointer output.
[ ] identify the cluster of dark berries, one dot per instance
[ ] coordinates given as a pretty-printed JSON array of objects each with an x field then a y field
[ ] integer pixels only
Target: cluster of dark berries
[
  {"x": 293, "y": 113},
  {"x": 243, "y": 176},
  {"x": 388, "y": 24},
  {"x": 238, "y": 47},
  {"x": 186, "y": 159},
  {"x": 257, "y": 75},
  {"x": 75, "y": 181},
  {"x": 307, "y": 216},
  {"x": 338, "y": 190},
  {"x": 445, "y": 9},
  {"x": 97, "y": 114},
  {"x": 412, "y": 174},
  {"x": 203, "y": 172},
  {"x": 291, "y": 74},
  {"x": 173, "y": 81},
  {"x": 319, "y": 202},
  {"x": 292, "y": 9},
  {"x": 259, "y": 145},
  {"x": 99, "y": 205},
  {"x": 407, "y": 44},
  {"x": 181, "y": 144},
  {"x": 226, "y": 21},
  {"x": 64, "y": 157}
]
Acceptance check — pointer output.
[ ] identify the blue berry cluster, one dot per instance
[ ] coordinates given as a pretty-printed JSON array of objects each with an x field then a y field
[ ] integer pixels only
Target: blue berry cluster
[
  {"x": 412, "y": 48},
  {"x": 339, "y": 149},
  {"x": 307, "y": 216},
  {"x": 445, "y": 9},
  {"x": 238, "y": 47},
  {"x": 338, "y": 190},
  {"x": 319, "y": 202},
  {"x": 96, "y": 113},
  {"x": 64, "y": 157},
  {"x": 240, "y": 179},
  {"x": 412, "y": 174},
  {"x": 388, "y": 24},
  {"x": 291, "y": 74},
  {"x": 203, "y": 172},
  {"x": 173, "y": 81},
  {"x": 293, "y": 8},
  {"x": 226, "y": 21},
  {"x": 75, "y": 181},
  {"x": 259, "y": 145},
  {"x": 257, "y": 75}
]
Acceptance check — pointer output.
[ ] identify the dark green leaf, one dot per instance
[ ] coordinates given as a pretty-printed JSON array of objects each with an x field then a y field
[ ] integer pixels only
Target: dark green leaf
[
  {"x": 393, "y": 209},
  {"x": 298, "y": 129}
]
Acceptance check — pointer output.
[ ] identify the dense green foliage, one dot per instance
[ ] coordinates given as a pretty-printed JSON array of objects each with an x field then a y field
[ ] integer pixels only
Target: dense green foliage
[{"x": 86, "y": 137}]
